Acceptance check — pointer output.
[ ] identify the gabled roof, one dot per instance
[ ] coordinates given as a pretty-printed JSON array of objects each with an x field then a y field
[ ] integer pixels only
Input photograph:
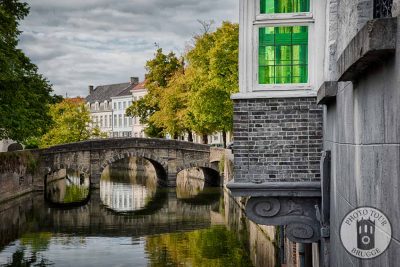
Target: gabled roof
[
  {"x": 127, "y": 91},
  {"x": 105, "y": 92},
  {"x": 140, "y": 86},
  {"x": 75, "y": 100}
]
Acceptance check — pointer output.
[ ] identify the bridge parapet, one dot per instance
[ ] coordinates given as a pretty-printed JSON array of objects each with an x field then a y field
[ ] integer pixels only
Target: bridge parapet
[{"x": 167, "y": 156}]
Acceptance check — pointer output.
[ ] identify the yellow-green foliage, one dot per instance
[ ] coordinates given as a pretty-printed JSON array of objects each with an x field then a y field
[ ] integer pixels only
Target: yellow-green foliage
[
  {"x": 195, "y": 98},
  {"x": 71, "y": 121}
]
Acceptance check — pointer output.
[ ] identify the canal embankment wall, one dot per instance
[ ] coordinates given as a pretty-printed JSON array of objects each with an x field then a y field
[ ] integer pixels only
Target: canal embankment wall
[{"x": 20, "y": 173}]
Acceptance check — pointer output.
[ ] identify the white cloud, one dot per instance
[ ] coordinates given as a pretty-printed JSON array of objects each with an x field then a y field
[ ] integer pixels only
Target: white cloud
[{"x": 80, "y": 42}]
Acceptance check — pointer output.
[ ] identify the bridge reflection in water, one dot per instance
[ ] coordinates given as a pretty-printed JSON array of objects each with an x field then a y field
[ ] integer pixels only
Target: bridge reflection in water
[
  {"x": 67, "y": 186},
  {"x": 129, "y": 189},
  {"x": 131, "y": 221}
]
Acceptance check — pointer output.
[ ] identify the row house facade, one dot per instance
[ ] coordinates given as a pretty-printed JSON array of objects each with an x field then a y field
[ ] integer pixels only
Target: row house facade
[{"x": 108, "y": 104}]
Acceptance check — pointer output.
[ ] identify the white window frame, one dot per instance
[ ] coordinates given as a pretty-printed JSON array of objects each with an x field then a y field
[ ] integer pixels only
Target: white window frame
[
  {"x": 250, "y": 21},
  {"x": 286, "y": 86}
]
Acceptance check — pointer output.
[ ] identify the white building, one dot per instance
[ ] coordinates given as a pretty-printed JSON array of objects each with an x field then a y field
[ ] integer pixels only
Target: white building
[
  {"x": 138, "y": 92},
  {"x": 122, "y": 124},
  {"x": 100, "y": 104}
]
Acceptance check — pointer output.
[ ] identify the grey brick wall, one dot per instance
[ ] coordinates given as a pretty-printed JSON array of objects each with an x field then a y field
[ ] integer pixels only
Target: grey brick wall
[{"x": 278, "y": 139}]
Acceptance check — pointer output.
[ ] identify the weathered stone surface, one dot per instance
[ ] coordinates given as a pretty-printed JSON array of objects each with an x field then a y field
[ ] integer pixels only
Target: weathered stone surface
[
  {"x": 372, "y": 45},
  {"x": 362, "y": 131},
  {"x": 20, "y": 173},
  {"x": 327, "y": 92}
]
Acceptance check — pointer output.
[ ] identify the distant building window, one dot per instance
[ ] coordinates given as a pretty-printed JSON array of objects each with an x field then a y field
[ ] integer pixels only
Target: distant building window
[
  {"x": 115, "y": 106},
  {"x": 101, "y": 121},
  {"x": 125, "y": 121},
  {"x": 109, "y": 121},
  {"x": 134, "y": 98},
  {"x": 124, "y": 105},
  {"x": 129, "y": 103},
  {"x": 283, "y": 55},
  {"x": 119, "y": 105},
  {"x": 120, "y": 120},
  {"x": 115, "y": 121},
  {"x": 105, "y": 121}
]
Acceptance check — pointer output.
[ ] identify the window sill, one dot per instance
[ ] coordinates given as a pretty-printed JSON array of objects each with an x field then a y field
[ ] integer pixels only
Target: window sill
[
  {"x": 372, "y": 45},
  {"x": 274, "y": 94}
]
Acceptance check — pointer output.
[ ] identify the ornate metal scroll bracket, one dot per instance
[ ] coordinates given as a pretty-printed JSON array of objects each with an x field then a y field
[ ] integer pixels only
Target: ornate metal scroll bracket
[
  {"x": 299, "y": 216},
  {"x": 303, "y": 207}
]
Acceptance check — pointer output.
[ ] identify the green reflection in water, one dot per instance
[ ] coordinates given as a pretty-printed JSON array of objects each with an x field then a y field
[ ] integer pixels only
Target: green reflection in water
[
  {"x": 36, "y": 241},
  {"x": 216, "y": 246},
  {"x": 75, "y": 193},
  {"x": 29, "y": 252}
]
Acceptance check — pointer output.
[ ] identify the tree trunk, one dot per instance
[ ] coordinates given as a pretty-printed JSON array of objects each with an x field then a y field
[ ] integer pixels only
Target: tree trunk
[
  {"x": 176, "y": 136},
  {"x": 224, "y": 138},
  {"x": 205, "y": 139},
  {"x": 190, "y": 136}
]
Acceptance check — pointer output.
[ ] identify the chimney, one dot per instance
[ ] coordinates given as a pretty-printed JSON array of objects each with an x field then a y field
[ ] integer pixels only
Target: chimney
[
  {"x": 134, "y": 80},
  {"x": 91, "y": 89}
]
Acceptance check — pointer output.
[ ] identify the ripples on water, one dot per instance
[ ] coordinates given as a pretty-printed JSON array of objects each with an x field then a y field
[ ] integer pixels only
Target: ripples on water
[{"x": 131, "y": 221}]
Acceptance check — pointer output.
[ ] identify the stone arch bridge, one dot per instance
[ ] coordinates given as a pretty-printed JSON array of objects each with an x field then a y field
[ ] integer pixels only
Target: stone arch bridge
[{"x": 168, "y": 157}]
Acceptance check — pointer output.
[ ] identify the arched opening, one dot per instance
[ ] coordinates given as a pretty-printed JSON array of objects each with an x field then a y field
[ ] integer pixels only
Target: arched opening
[
  {"x": 197, "y": 183},
  {"x": 132, "y": 185},
  {"x": 67, "y": 187},
  {"x": 14, "y": 147}
]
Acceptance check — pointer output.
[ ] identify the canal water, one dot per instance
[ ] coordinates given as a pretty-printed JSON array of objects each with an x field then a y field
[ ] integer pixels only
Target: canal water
[{"x": 131, "y": 221}]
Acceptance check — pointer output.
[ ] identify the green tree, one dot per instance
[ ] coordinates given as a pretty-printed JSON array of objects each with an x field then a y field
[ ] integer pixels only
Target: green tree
[
  {"x": 214, "y": 59},
  {"x": 71, "y": 121},
  {"x": 24, "y": 93},
  {"x": 173, "y": 113},
  {"x": 160, "y": 70}
]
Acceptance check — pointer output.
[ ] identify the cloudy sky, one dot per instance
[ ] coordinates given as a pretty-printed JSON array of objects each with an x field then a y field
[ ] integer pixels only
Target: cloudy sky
[{"x": 80, "y": 42}]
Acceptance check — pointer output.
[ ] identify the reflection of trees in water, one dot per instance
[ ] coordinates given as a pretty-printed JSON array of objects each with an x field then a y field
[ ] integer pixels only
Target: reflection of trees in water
[
  {"x": 28, "y": 253},
  {"x": 128, "y": 185},
  {"x": 215, "y": 246},
  {"x": 19, "y": 259},
  {"x": 67, "y": 186}
]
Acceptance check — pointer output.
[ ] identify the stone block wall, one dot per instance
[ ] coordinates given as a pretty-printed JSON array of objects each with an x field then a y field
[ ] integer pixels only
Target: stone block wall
[
  {"x": 19, "y": 173},
  {"x": 277, "y": 139},
  {"x": 362, "y": 131}
]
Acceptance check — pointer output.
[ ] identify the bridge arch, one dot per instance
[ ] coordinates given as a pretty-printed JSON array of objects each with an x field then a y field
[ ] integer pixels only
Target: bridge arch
[
  {"x": 212, "y": 176},
  {"x": 160, "y": 166}
]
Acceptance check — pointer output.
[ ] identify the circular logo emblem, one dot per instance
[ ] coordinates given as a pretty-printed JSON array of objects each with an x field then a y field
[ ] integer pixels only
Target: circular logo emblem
[{"x": 365, "y": 232}]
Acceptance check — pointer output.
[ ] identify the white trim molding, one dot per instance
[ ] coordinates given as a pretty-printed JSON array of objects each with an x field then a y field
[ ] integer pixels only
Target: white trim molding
[{"x": 250, "y": 21}]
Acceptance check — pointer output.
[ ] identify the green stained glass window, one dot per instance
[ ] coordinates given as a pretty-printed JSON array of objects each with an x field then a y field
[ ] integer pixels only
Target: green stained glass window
[
  {"x": 283, "y": 55},
  {"x": 284, "y": 6}
]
